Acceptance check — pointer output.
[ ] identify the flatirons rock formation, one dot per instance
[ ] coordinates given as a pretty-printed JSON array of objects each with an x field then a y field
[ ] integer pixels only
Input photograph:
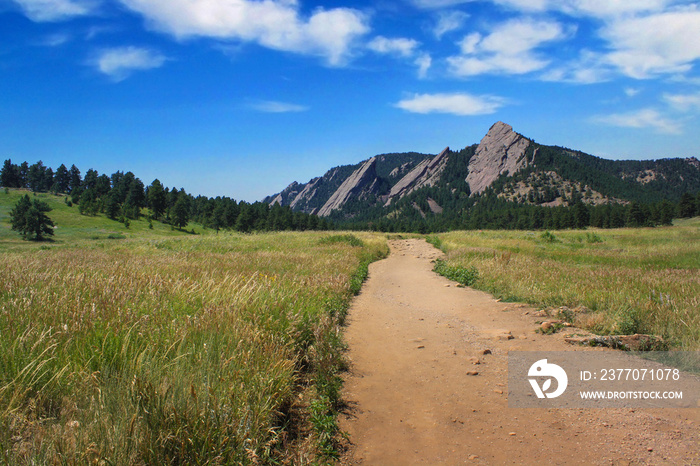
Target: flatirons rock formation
[
  {"x": 392, "y": 186},
  {"x": 362, "y": 181},
  {"x": 502, "y": 150},
  {"x": 426, "y": 173}
]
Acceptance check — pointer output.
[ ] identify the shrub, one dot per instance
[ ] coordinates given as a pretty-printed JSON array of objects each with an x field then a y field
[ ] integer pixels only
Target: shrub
[
  {"x": 548, "y": 237},
  {"x": 350, "y": 239},
  {"x": 464, "y": 275},
  {"x": 593, "y": 238}
]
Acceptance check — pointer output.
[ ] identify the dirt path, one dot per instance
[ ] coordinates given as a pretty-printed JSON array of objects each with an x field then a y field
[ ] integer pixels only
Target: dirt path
[{"x": 413, "y": 336}]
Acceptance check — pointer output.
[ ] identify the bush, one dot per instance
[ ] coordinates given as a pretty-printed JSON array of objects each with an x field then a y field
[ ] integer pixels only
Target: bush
[
  {"x": 548, "y": 237},
  {"x": 593, "y": 238},
  {"x": 352, "y": 240},
  {"x": 466, "y": 276}
]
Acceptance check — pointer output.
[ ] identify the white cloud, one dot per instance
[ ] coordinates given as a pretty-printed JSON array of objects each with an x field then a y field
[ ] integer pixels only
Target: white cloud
[
  {"x": 276, "y": 24},
  {"x": 449, "y": 21},
  {"x": 423, "y": 62},
  {"x": 643, "y": 47},
  {"x": 632, "y": 91},
  {"x": 400, "y": 46},
  {"x": 273, "y": 106},
  {"x": 55, "y": 40},
  {"x": 642, "y": 119},
  {"x": 119, "y": 63},
  {"x": 589, "y": 68},
  {"x": 608, "y": 8},
  {"x": 434, "y": 4},
  {"x": 593, "y": 8},
  {"x": 462, "y": 104},
  {"x": 55, "y": 10},
  {"x": 683, "y": 102},
  {"x": 508, "y": 48}
]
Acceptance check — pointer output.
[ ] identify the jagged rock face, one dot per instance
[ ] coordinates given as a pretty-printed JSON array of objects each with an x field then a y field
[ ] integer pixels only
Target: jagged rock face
[
  {"x": 288, "y": 194},
  {"x": 305, "y": 195},
  {"x": 362, "y": 180},
  {"x": 502, "y": 150},
  {"x": 426, "y": 173}
]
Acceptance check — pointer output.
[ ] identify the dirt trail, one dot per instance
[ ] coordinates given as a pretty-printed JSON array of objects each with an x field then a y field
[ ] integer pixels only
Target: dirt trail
[{"x": 414, "y": 335}]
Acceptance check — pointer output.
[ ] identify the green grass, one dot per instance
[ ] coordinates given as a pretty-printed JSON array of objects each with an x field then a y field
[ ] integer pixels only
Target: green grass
[
  {"x": 72, "y": 228},
  {"x": 634, "y": 280},
  {"x": 160, "y": 347}
]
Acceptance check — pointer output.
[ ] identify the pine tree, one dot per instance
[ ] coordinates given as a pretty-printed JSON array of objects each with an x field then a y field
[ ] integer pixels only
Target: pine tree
[
  {"x": 157, "y": 199},
  {"x": 686, "y": 207},
  {"x": 30, "y": 219},
  {"x": 181, "y": 211},
  {"x": 74, "y": 178},
  {"x": 135, "y": 199},
  {"x": 61, "y": 180},
  {"x": 9, "y": 175}
]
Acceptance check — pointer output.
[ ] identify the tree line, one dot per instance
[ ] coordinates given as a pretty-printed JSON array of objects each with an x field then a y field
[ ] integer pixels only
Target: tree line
[
  {"x": 124, "y": 197},
  {"x": 489, "y": 211}
]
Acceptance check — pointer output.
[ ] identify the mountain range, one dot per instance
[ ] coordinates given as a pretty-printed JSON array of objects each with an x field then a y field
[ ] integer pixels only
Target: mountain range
[{"x": 504, "y": 171}]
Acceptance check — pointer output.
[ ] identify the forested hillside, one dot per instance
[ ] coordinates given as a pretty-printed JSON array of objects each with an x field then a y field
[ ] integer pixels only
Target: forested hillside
[{"x": 124, "y": 197}]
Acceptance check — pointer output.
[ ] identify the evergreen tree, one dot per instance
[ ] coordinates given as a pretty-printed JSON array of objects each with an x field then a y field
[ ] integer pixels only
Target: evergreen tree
[
  {"x": 61, "y": 180},
  {"x": 246, "y": 220},
  {"x": 686, "y": 207},
  {"x": 30, "y": 219},
  {"x": 90, "y": 180},
  {"x": 23, "y": 175},
  {"x": 103, "y": 185},
  {"x": 181, "y": 212},
  {"x": 582, "y": 217},
  {"x": 9, "y": 176},
  {"x": 666, "y": 211},
  {"x": 35, "y": 176},
  {"x": 89, "y": 204},
  {"x": 74, "y": 176},
  {"x": 135, "y": 199},
  {"x": 112, "y": 205},
  {"x": 635, "y": 215},
  {"x": 157, "y": 200},
  {"x": 47, "y": 183}
]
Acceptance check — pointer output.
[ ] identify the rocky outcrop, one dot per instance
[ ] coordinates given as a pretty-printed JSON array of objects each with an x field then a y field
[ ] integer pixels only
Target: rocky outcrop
[
  {"x": 286, "y": 196},
  {"x": 305, "y": 195},
  {"x": 426, "y": 173},
  {"x": 502, "y": 150},
  {"x": 693, "y": 162},
  {"x": 434, "y": 206},
  {"x": 362, "y": 181}
]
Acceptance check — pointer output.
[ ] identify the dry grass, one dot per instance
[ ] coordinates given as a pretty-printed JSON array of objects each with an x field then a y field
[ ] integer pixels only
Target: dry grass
[
  {"x": 167, "y": 351},
  {"x": 635, "y": 280}
]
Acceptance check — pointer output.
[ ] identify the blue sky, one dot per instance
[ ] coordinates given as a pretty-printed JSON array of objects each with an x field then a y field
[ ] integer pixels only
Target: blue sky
[{"x": 241, "y": 97}]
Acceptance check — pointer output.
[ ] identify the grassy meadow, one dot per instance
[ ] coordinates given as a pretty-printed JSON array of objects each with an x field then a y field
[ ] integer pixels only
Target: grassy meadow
[
  {"x": 643, "y": 280},
  {"x": 161, "y": 347}
]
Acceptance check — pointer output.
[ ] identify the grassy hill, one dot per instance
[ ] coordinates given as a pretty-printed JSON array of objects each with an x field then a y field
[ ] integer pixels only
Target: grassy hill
[{"x": 72, "y": 228}]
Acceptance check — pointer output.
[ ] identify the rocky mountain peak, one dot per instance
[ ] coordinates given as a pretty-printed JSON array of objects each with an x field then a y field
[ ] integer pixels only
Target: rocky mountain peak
[
  {"x": 426, "y": 173},
  {"x": 362, "y": 180},
  {"x": 502, "y": 150}
]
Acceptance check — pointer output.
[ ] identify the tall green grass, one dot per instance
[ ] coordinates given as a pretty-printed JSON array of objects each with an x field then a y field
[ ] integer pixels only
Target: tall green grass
[
  {"x": 634, "y": 280},
  {"x": 220, "y": 349}
]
